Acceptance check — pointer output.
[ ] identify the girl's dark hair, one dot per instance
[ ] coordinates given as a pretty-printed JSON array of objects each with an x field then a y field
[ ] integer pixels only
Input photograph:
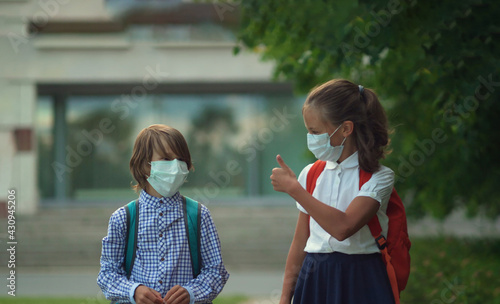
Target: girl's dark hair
[
  {"x": 340, "y": 100},
  {"x": 152, "y": 138}
]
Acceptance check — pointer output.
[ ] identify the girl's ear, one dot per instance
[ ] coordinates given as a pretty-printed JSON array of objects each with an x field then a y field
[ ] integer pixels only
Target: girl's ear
[{"x": 347, "y": 128}]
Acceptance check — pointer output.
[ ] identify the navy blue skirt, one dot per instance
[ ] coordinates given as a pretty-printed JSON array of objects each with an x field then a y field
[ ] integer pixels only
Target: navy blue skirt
[{"x": 338, "y": 278}]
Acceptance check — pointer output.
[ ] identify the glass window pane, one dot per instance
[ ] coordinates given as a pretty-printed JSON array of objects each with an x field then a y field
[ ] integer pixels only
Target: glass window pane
[
  {"x": 233, "y": 140},
  {"x": 45, "y": 141},
  {"x": 101, "y": 131}
]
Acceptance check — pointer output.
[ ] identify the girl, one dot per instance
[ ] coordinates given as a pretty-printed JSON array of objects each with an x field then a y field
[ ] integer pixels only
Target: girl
[
  {"x": 333, "y": 257},
  {"x": 162, "y": 271}
]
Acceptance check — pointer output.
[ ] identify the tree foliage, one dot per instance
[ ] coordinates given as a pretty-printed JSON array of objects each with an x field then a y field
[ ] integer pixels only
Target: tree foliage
[{"x": 435, "y": 66}]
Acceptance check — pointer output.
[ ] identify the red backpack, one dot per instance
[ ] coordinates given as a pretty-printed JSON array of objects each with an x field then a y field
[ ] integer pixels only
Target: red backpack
[{"x": 395, "y": 249}]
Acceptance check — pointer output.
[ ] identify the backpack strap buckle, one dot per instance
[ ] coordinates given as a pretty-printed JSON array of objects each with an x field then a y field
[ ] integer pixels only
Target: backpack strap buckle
[{"x": 381, "y": 242}]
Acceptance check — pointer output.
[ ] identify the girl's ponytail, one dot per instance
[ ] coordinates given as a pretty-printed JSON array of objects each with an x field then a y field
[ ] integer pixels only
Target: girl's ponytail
[
  {"x": 341, "y": 100},
  {"x": 372, "y": 137}
]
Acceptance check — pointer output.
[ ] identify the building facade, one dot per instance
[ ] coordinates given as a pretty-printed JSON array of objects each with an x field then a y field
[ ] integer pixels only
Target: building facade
[{"x": 79, "y": 79}]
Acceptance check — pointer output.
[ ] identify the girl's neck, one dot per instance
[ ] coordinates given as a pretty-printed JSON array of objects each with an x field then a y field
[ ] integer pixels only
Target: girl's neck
[{"x": 349, "y": 149}]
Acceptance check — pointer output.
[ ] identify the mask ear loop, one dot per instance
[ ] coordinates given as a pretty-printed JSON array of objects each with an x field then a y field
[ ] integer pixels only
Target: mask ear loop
[
  {"x": 147, "y": 176},
  {"x": 336, "y": 130},
  {"x": 343, "y": 141}
]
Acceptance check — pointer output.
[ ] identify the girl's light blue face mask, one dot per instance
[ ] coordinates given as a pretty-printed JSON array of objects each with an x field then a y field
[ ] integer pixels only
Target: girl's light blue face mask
[{"x": 319, "y": 145}]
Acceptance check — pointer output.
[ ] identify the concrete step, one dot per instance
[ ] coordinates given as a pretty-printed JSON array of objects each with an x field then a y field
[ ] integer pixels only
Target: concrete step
[{"x": 251, "y": 237}]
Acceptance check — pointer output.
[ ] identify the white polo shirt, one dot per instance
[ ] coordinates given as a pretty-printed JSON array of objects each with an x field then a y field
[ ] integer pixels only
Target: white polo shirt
[{"x": 337, "y": 186}]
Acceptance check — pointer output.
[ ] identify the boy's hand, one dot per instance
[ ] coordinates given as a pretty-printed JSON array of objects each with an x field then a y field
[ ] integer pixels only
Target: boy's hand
[
  {"x": 146, "y": 295},
  {"x": 177, "y": 295}
]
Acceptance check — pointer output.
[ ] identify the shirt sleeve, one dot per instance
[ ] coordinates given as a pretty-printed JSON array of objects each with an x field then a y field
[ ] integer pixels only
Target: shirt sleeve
[
  {"x": 380, "y": 185},
  {"x": 112, "y": 277},
  {"x": 191, "y": 294},
  {"x": 213, "y": 275},
  {"x": 303, "y": 182}
]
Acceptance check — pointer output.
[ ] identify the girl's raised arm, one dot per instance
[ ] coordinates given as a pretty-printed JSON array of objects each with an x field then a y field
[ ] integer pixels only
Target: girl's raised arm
[{"x": 338, "y": 224}]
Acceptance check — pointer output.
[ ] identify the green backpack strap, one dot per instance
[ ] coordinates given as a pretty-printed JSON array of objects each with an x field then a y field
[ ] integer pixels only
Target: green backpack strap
[
  {"x": 192, "y": 220},
  {"x": 132, "y": 211}
]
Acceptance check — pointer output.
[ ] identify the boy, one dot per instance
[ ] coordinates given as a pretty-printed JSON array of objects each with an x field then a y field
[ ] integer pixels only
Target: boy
[{"x": 162, "y": 271}]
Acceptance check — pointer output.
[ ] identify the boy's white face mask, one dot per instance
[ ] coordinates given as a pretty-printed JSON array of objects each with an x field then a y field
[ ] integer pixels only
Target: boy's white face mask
[{"x": 167, "y": 176}]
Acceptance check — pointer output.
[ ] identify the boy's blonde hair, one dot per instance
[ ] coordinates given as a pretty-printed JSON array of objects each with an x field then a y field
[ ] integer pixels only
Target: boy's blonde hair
[{"x": 154, "y": 138}]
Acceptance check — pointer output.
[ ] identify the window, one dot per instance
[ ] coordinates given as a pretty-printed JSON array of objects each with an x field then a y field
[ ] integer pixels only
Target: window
[{"x": 233, "y": 140}]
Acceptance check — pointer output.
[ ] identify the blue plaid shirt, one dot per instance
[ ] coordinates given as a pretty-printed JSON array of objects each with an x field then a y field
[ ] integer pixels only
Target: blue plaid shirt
[{"x": 163, "y": 258}]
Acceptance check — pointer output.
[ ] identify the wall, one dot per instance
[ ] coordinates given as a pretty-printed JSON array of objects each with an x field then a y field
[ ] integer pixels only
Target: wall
[{"x": 29, "y": 59}]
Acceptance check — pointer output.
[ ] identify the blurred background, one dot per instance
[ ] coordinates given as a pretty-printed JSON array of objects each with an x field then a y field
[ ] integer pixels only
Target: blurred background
[{"x": 80, "y": 79}]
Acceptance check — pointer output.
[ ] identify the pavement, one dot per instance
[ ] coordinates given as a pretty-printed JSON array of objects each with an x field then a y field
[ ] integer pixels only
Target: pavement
[{"x": 82, "y": 283}]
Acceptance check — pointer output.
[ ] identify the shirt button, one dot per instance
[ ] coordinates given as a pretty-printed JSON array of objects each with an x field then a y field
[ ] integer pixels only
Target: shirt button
[
  {"x": 162, "y": 259},
  {"x": 161, "y": 213},
  {"x": 160, "y": 281},
  {"x": 161, "y": 235}
]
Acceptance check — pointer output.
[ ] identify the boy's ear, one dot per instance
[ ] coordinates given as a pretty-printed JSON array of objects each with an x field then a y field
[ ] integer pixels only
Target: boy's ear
[
  {"x": 146, "y": 169},
  {"x": 347, "y": 128}
]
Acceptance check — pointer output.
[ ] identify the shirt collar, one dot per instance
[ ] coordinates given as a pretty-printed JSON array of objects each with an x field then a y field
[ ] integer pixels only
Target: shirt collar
[
  {"x": 350, "y": 162},
  {"x": 159, "y": 202}
]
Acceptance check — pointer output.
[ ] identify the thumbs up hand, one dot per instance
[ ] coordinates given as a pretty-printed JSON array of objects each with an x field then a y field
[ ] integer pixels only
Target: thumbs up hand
[{"x": 283, "y": 177}]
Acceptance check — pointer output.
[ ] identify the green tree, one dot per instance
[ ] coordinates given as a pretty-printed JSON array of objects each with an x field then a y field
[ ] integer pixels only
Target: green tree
[
  {"x": 209, "y": 141},
  {"x": 434, "y": 64},
  {"x": 106, "y": 165}
]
